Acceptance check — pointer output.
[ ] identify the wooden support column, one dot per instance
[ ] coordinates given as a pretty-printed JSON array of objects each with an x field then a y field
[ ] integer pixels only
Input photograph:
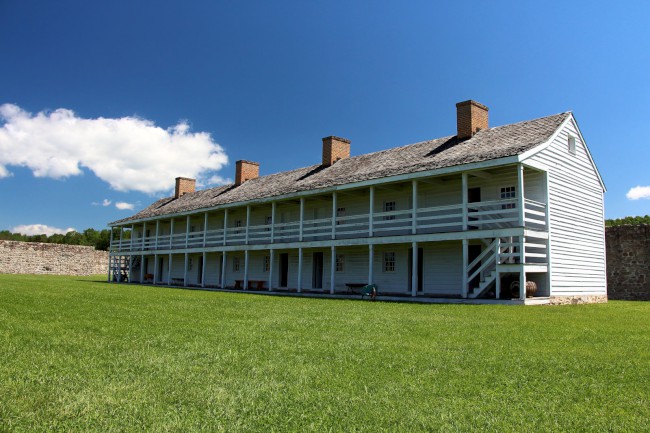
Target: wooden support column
[
  {"x": 271, "y": 267},
  {"x": 549, "y": 270},
  {"x": 223, "y": 270},
  {"x": 414, "y": 269},
  {"x": 334, "y": 207},
  {"x": 155, "y": 236},
  {"x": 273, "y": 208},
  {"x": 144, "y": 234},
  {"x": 131, "y": 245},
  {"x": 497, "y": 251},
  {"x": 205, "y": 231},
  {"x": 246, "y": 258},
  {"x": 465, "y": 264},
  {"x": 371, "y": 259},
  {"x": 142, "y": 270},
  {"x": 185, "y": 270},
  {"x": 187, "y": 230},
  {"x": 464, "y": 193},
  {"x": 332, "y": 269},
  {"x": 371, "y": 211},
  {"x": 110, "y": 256},
  {"x": 299, "y": 287},
  {"x": 248, "y": 221},
  {"x": 154, "y": 280},
  {"x": 130, "y": 258},
  {"x": 520, "y": 194},
  {"x": 522, "y": 284},
  {"x": 302, "y": 218},
  {"x": 414, "y": 210},
  {"x": 169, "y": 270},
  {"x": 171, "y": 233},
  {"x": 225, "y": 225},
  {"x": 204, "y": 258}
]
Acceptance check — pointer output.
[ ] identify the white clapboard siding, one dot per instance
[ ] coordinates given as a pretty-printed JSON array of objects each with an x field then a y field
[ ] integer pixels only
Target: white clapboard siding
[
  {"x": 576, "y": 217},
  {"x": 211, "y": 270},
  {"x": 443, "y": 265}
]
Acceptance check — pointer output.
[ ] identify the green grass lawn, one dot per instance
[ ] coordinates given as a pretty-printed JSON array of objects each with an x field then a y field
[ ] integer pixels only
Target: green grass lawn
[{"x": 78, "y": 354}]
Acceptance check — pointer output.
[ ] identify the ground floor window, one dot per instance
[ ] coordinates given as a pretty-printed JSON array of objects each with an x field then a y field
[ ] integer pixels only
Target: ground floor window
[
  {"x": 389, "y": 262},
  {"x": 235, "y": 264},
  {"x": 340, "y": 262},
  {"x": 267, "y": 264}
]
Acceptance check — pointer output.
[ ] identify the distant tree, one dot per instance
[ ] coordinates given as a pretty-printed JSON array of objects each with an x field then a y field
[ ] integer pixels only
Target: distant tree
[{"x": 629, "y": 220}]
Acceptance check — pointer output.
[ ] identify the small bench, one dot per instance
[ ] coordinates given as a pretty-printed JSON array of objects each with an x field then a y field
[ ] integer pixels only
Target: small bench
[
  {"x": 257, "y": 284},
  {"x": 353, "y": 287},
  {"x": 177, "y": 282}
]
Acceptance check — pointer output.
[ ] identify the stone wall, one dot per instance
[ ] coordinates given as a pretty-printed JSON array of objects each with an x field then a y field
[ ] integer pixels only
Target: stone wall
[
  {"x": 628, "y": 262},
  {"x": 54, "y": 259}
]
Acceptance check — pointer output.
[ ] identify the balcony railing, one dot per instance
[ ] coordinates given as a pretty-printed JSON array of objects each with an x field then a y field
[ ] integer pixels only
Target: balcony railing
[{"x": 495, "y": 214}]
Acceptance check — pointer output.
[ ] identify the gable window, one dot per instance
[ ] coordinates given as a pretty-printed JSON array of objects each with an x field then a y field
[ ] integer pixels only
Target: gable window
[
  {"x": 389, "y": 262},
  {"x": 340, "y": 213},
  {"x": 235, "y": 264},
  {"x": 340, "y": 261},
  {"x": 571, "y": 143},
  {"x": 508, "y": 193},
  {"x": 389, "y": 206},
  {"x": 267, "y": 264}
]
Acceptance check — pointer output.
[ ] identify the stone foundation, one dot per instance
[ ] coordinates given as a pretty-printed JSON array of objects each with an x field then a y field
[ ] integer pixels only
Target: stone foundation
[
  {"x": 577, "y": 299},
  {"x": 51, "y": 259},
  {"x": 628, "y": 262}
]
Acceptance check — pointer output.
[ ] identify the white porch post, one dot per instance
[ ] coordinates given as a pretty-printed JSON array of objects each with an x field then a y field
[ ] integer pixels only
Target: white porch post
[
  {"x": 144, "y": 234},
  {"x": 154, "y": 280},
  {"x": 299, "y": 287},
  {"x": 414, "y": 269},
  {"x": 246, "y": 258},
  {"x": 203, "y": 269},
  {"x": 332, "y": 269},
  {"x": 141, "y": 268},
  {"x": 130, "y": 262},
  {"x": 248, "y": 221},
  {"x": 549, "y": 266},
  {"x": 110, "y": 256},
  {"x": 119, "y": 258},
  {"x": 131, "y": 246},
  {"x": 155, "y": 237},
  {"x": 334, "y": 215},
  {"x": 225, "y": 225},
  {"x": 371, "y": 259},
  {"x": 414, "y": 211},
  {"x": 171, "y": 233},
  {"x": 465, "y": 264},
  {"x": 205, "y": 231},
  {"x": 302, "y": 218},
  {"x": 371, "y": 211},
  {"x": 271, "y": 265},
  {"x": 223, "y": 270},
  {"x": 187, "y": 231},
  {"x": 185, "y": 269},
  {"x": 169, "y": 270},
  {"x": 498, "y": 260},
  {"x": 520, "y": 194},
  {"x": 273, "y": 206},
  {"x": 522, "y": 284},
  {"x": 464, "y": 193}
]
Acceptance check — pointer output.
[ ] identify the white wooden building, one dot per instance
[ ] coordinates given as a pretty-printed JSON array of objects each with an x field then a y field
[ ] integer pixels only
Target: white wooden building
[{"x": 457, "y": 217}]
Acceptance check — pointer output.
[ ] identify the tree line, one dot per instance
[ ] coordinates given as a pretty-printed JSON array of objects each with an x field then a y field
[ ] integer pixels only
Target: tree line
[
  {"x": 628, "y": 221},
  {"x": 100, "y": 239}
]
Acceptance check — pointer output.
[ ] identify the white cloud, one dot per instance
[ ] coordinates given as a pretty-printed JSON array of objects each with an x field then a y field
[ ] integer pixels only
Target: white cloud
[
  {"x": 105, "y": 202},
  {"x": 130, "y": 154},
  {"x": 124, "y": 206},
  {"x": 40, "y": 229},
  {"x": 638, "y": 192}
]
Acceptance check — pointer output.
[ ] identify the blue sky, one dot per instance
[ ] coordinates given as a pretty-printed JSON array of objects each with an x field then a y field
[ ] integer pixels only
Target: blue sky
[{"x": 103, "y": 103}]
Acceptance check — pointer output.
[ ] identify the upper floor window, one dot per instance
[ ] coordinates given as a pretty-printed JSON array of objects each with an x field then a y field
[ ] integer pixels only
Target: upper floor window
[
  {"x": 268, "y": 221},
  {"x": 389, "y": 262},
  {"x": 508, "y": 193},
  {"x": 237, "y": 226},
  {"x": 571, "y": 144},
  {"x": 340, "y": 212},
  {"x": 389, "y": 206}
]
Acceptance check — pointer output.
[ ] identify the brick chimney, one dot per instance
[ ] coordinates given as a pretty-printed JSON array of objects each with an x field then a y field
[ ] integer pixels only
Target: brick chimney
[
  {"x": 246, "y": 170},
  {"x": 471, "y": 117},
  {"x": 184, "y": 185},
  {"x": 335, "y": 148}
]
